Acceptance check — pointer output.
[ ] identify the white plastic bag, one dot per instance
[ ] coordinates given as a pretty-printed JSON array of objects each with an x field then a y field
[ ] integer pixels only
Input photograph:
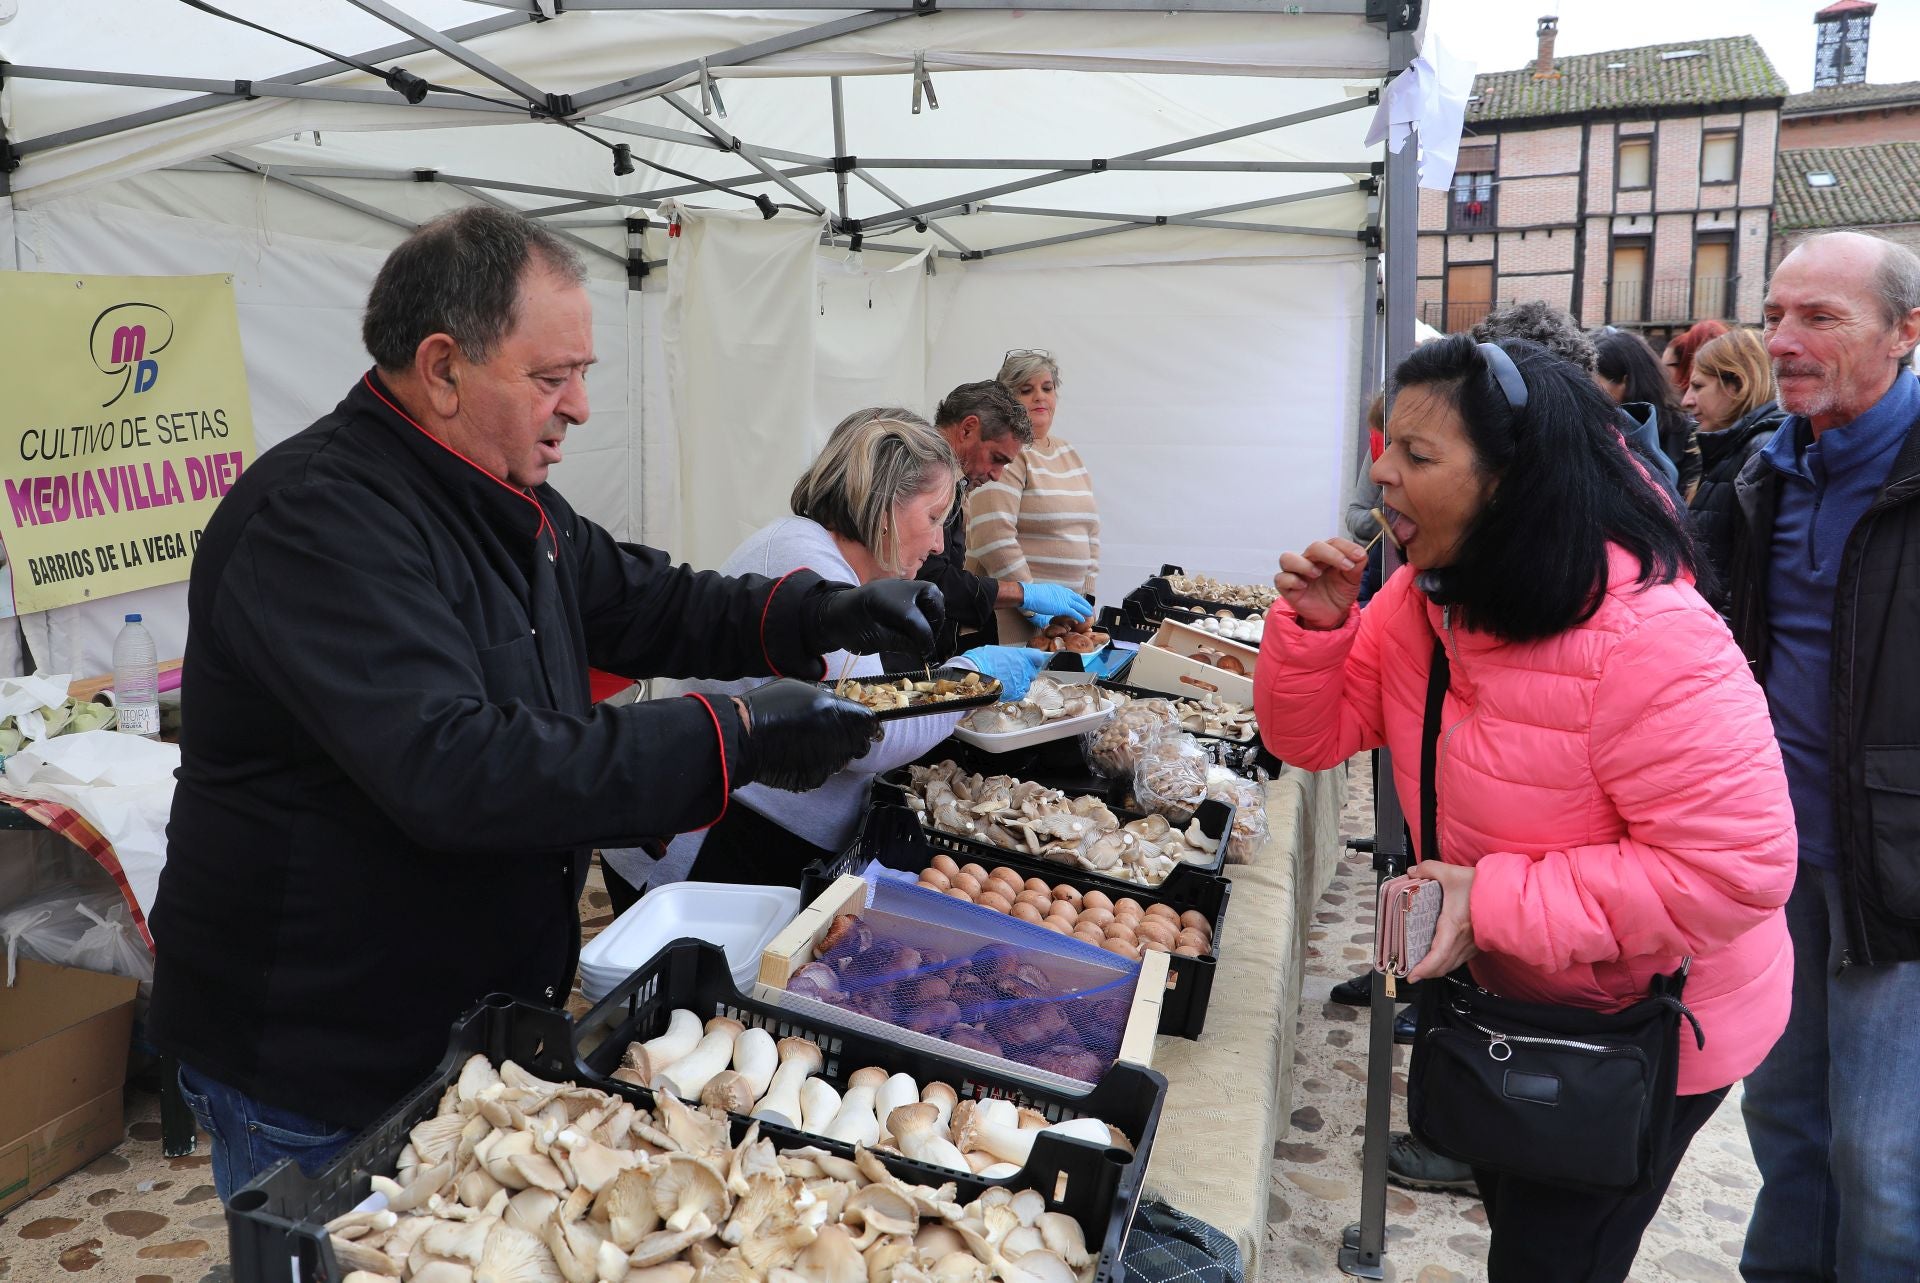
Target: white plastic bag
[{"x": 71, "y": 928}]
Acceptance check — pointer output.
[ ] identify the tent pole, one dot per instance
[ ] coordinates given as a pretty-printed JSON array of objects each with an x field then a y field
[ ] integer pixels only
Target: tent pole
[
  {"x": 1345, "y": 189},
  {"x": 455, "y": 50},
  {"x": 320, "y": 71},
  {"x": 615, "y": 125},
  {"x": 579, "y": 242},
  {"x": 314, "y": 189},
  {"x": 1364, "y": 1244},
  {"x": 732, "y": 142},
  {"x": 839, "y": 142},
  {"x": 1345, "y": 7},
  {"x": 932, "y": 225}
]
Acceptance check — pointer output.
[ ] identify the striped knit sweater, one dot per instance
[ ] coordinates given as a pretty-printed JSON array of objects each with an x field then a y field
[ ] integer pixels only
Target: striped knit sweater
[{"x": 1038, "y": 521}]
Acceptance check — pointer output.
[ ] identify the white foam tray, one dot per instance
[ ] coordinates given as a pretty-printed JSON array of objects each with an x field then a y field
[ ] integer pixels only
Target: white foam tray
[
  {"x": 743, "y": 920},
  {"x": 1046, "y": 732}
]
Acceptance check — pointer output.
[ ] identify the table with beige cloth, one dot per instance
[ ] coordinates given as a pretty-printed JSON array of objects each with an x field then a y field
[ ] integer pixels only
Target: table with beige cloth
[{"x": 1229, "y": 1094}]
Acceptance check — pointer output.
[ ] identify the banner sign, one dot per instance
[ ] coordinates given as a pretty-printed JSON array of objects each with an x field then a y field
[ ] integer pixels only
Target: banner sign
[{"x": 124, "y": 420}]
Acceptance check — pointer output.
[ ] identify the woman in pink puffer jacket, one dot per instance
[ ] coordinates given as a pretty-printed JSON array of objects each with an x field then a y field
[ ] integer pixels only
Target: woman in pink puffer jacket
[{"x": 1611, "y": 797}]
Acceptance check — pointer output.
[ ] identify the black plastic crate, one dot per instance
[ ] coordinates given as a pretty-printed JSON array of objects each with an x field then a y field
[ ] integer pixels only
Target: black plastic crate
[
  {"x": 1215, "y": 816},
  {"x": 276, "y": 1226},
  {"x": 894, "y": 836},
  {"x": 1162, "y": 587},
  {"x": 1097, "y": 1186}
]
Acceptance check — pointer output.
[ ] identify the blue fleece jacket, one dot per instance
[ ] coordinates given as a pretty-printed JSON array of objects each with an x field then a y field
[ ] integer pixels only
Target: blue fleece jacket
[{"x": 1826, "y": 486}]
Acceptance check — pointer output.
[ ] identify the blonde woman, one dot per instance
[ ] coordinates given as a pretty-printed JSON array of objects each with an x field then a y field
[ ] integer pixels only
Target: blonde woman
[
  {"x": 1039, "y": 521},
  {"x": 1730, "y": 391},
  {"x": 872, "y": 506}
]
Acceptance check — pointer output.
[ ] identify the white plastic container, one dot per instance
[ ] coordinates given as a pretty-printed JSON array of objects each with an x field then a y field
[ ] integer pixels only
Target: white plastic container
[
  {"x": 136, "y": 681},
  {"x": 742, "y": 920}
]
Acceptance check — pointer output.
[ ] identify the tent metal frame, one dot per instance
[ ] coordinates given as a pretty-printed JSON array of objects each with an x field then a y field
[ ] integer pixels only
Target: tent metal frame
[{"x": 1389, "y": 242}]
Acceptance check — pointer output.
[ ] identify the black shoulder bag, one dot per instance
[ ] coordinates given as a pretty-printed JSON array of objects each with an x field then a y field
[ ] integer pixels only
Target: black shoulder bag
[{"x": 1562, "y": 1095}]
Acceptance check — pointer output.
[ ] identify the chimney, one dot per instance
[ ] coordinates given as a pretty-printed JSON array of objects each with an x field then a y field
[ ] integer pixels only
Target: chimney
[{"x": 1543, "y": 62}]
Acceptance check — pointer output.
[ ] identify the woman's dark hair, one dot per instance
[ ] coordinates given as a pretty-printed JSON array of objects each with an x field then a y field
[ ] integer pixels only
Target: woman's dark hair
[
  {"x": 1533, "y": 562},
  {"x": 1625, "y": 357}
]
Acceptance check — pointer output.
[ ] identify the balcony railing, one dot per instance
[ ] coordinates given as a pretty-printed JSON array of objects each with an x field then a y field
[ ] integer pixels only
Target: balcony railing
[
  {"x": 1472, "y": 215},
  {"x": 1457, "y": 318},
  {"x": 1671, "y": 301}
]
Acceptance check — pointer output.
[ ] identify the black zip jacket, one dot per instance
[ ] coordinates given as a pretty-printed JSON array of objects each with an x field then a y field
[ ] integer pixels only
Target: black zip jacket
[
  {"x": 1713, "y": 511},
  {"x": 392, "y": 774},
  {"x": 1875, "y": 692}
]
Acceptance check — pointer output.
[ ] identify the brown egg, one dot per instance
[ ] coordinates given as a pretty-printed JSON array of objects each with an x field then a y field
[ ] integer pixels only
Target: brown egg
[
  {"x": 1042, "y": 905},
  {"x": 995, "y": 901},
  {"x": 1040, "y": 885},
  {"x": 974, "y": 871},
  {"x": 935, "y": 879},
  {"x": 1193, "y": 938},
  {"x": 1187, "y": 951},
  {"x": 1089, "y": 934},
  {"x": 1196, "y": 920},
  {"x": 1163, "y": 911},
  {"x": 1156, "y": 929},
  {"x": 1127, "y": 904},
  {"x": 945, "y": 864},
  {"x": 1121, "y": 931},
  {"x": 1071, "y": 894},
  {"x": 1097, "y": 900},
  {"x": 1027, "y": 913},
  {"x": 1121, "y": 947},
  {"x": 960, "y": 894},
  {"x": 1097, "y": 916},
  {"x": 967, "y": 882},
  {"x": 1125, "y": 915},
  {"x": 1148, "y": 945},
  {"x": 1058, "y": 924},
  {"x": 1004, "y": 874},
  {"x": 1062, "y": 909}
]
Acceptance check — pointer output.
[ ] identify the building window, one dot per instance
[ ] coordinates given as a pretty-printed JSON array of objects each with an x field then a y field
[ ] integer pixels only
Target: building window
[
  {"x": 1471, "y": 209},
  {"x": 1633, "y": 170},
  {"x": 1713, "y": 278},
  {"x": 1469, "y": 297},
  {"x": 1718, "y": 157},
  {"x": 1822, "y": 178},
  {"x": 1627, "y": 285}
]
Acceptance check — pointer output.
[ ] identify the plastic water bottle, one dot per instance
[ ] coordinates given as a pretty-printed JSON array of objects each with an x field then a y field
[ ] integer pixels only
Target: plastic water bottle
[{"x": 136, "y": 680}]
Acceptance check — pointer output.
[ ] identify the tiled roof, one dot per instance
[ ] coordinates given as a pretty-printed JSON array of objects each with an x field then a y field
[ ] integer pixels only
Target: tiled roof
[
  {"x": 1850, "y": 98},
  {"x": 1875, "y": 183},
  {"x": 1726, "y": 69}
]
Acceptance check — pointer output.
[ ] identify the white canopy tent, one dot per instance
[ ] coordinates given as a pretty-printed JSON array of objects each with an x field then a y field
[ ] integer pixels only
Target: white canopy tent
[{"x": 1177, "y": 201}]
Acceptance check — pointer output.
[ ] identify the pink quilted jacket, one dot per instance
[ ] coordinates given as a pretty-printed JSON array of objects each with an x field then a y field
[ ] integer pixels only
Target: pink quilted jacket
[{"x": 1617, "y": 788}]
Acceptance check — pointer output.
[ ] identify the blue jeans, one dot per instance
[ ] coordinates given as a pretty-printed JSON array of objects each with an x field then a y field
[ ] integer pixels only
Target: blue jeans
[
  {"x": 250, "y": 1136},
  {"x": 1833, "y": 1113}
]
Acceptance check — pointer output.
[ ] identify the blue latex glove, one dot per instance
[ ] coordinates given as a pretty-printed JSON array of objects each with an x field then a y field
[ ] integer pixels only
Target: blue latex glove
[
  {"x": 1013, "y": 665},
  {"x": 1042, "y": 602}
]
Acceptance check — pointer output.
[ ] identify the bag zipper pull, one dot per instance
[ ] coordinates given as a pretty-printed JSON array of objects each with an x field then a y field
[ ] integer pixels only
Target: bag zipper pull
[
  {"x": 1389, "y": 975},
  {"x": 1497, "y": 1045}
]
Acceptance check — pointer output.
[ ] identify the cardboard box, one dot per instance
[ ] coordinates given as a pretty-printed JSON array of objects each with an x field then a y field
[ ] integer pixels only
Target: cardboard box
[
  {"x": 64, "y": 1036},
  {"x": 1165, "y": 664}
]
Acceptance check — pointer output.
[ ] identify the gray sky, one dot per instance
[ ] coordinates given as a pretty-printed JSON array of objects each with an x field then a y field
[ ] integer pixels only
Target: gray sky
[{"x": 1498, "y": 35}]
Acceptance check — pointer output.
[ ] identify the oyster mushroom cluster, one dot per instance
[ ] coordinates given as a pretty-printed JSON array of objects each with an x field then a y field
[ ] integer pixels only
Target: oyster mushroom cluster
[
  {"x": 1221, "y": 718},
  {"x": 890, "y": 1112},
  {"x": 990, "y": 1001},
  {"x": 1122, "y": 926},
  {"x": 1048, "y": 699},
  {"x": 1206, "y": 588},
  {"x": 906, "y": 692},
  {"x": 1020, "y": 815},
  {"x": 521, "y": 1180}
]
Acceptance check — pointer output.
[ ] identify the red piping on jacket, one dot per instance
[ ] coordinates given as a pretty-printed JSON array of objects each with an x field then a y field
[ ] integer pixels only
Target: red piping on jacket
[
  {"x": 767, "y": 609},
  {"x": 546, "y": 527},
  {"x": 726, "y": 779}
]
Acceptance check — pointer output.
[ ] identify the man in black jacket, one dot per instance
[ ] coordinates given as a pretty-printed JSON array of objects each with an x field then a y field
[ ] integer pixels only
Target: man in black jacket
[
  {"x": 1826, "y": 603},
  {"x": 393, "y": 774}
]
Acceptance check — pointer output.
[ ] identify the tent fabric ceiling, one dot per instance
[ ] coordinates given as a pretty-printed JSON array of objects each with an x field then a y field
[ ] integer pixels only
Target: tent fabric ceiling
[{"x": 1064, "y": 86}]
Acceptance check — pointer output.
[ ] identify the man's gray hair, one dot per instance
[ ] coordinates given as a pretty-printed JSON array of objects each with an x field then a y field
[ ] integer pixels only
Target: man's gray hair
[
  {"x": 459, "y": 275},
  {"x": 999, "y": 411},
  {"x": 1539, "y": 323},
  {"x": 1896, "y": 282}
]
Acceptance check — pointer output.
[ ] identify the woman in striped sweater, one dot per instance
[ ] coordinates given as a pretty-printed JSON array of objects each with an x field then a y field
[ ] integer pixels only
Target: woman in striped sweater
[{"x": 1039, "y": 520}]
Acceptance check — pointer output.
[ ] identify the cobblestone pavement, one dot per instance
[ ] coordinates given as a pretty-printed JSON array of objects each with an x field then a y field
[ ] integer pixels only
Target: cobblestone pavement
[{"x": 1314, "y": 1192}]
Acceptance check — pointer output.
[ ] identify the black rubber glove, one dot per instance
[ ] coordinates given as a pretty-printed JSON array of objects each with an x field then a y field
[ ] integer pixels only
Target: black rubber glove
[
  {"x": 891, "y": 614},
  {"x": 800, "y": 735}
]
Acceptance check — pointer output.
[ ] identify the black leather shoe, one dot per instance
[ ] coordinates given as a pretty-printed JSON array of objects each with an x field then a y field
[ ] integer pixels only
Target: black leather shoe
[
  {"x": 1404, "y": 1027},
  {"x": 1355, "y": 991},
  {"x": 1413, "y": 1165}
]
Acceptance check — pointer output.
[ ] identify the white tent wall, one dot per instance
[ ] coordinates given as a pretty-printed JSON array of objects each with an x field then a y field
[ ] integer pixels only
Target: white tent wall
[
  {"x": 299, "y": 301},
  {"x": 1212, "y": 402}
]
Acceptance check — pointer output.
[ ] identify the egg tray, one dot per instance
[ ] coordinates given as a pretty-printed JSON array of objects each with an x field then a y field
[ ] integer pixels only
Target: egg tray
[
  {"x": 924, "y": 708},
  {"x": 1099, "y": 1186},
  {"x": 894, "y": 787},
  {"x": 894, "y": 837},
  {"x": 276, "y": 1224}
]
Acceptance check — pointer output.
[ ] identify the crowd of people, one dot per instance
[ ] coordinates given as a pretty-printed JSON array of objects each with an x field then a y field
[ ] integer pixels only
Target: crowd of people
[
  {"x": 1669, "y": 596},
  {"x": 1670, "y": 599}
]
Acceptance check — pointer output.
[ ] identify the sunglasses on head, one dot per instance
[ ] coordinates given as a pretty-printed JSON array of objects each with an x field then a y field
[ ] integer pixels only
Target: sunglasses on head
[
  {"x": 1506, "y": 377},
  {"x": 1027, "y": 351}
]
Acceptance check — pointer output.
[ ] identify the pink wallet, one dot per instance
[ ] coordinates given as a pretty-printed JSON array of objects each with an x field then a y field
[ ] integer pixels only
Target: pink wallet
[{"x": 1404, "y": 918}]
